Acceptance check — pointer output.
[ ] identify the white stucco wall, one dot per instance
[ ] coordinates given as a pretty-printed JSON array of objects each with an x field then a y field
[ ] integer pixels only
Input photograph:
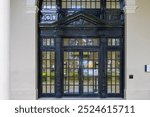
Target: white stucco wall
[
  {"x": 22, "y": 51},
  {"x": 138, "y": 51}
]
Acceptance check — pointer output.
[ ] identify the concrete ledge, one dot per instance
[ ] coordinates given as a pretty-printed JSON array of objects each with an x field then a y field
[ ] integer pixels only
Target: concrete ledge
[
  {"x": 23, "y": 95},
  {"x": 137, "y": 94}
]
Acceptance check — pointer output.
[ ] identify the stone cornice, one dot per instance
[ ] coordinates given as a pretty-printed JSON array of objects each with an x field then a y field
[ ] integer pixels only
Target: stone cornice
[{"x": 130, "y": 6}]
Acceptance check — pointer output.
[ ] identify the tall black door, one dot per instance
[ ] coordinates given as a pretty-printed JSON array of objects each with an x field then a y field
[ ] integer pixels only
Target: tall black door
[{"x": 81, "y": 73}]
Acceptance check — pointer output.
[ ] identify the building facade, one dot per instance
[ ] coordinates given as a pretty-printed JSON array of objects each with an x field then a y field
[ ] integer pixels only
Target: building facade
[{"x": 79, "y": 49}]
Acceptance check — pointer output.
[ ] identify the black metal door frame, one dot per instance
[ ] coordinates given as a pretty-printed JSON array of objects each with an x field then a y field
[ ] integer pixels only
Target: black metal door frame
[
  {"x": 102, "y": 50},
  {"x": 81, "y": 94}
]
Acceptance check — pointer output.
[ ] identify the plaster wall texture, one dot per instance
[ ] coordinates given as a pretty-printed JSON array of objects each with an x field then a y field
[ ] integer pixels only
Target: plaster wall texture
[
  {"x": 137, "y": 46},
  {"x": 22, "y": 51}
]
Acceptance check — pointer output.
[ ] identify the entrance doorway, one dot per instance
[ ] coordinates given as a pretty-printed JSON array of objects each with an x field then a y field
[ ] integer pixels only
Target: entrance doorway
[
  {"x": 83, "y": 67},
  {"x": 81, "y": 49},
  {"x": 81, "y": 72}
]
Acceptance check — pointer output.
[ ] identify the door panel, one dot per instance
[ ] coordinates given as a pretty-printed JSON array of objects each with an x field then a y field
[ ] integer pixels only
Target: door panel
[
  {"x": 71, "y": 72},
  {"x": 90, "y": 72},
  {"x": 80, "y": 73}
]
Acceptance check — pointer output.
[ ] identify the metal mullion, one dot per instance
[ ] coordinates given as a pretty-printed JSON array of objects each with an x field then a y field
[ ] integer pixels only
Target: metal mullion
[
  {"x": 90, "y": 3},
  {"x": 103, "y": 4},
  {"x": 115, "y": 71},
  {"x": 111, "y": 71},
  {"x": 46, "y": 66},
  {"x": 71, "y": 4},
  {"x": 46, "y": 4},
  {"x": 50, "y": 3},
  {"x": 88, "y": 71},
  {"x": 50, "y": 72},
  {"x": 111, "y": 4},
  {"x": 78, "y": 68},
  {"x": 81, "y": 76},
  {"x": 67, "y": 71},
  {"x": 93, "y": 73},
  {"x": 74, "y": 76},
  {"x": 75, "y": 4},
  {"x": 120, "y": 70}
]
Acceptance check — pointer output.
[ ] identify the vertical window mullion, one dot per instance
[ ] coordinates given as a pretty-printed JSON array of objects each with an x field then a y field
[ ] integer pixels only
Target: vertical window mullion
[{"x": 50, "y": 72}]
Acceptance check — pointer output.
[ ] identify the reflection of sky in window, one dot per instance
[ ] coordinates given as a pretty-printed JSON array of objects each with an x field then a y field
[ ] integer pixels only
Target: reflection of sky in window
[{"x": 48, "y": 6}]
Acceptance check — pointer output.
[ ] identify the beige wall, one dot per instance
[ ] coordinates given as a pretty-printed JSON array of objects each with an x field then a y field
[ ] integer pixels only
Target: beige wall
[
  {"x": 22, "y": 52},
  {"x": 138, "y": 51}
]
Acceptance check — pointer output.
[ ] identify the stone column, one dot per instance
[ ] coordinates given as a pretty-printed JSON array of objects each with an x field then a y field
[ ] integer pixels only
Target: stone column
[
  {"x": 4, "y": 49},
  {"x": 129, "y": 9}
]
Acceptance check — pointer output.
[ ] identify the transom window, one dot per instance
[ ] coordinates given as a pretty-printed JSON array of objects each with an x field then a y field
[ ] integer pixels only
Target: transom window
[
  {"x": 81, "y": 42},
  {"x": 113, "y": 41},
  {"x": 81, "y": 4},
  {"x": 77, "y": 4},
  {"x": 113, "y": 4},
  {"x": 48, "y": 4},
  {"x": 48, "y": 41}
]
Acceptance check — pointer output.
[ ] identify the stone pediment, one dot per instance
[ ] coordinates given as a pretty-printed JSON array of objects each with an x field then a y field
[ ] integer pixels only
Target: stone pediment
[{"x": 79, "y": 20}]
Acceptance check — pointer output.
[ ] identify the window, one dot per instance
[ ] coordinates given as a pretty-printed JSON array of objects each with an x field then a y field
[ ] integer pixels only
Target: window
[
  {"x": 81, "y": 42},
  {"x": 49, "y": 4},
  {"x": 113, "y": 4},
  {"x": 113, "y": 41},
  {"x": 113, "y": 72},
  {"x": 48, "y": 42},
  {"x": 88, "y": 4},
  {"x": 48, "y": 72}
]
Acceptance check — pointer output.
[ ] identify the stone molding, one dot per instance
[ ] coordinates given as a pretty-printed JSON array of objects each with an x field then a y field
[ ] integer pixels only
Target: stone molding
[
  {"x": 130, "y": 6},
  {"x": 31, "y": 7}
]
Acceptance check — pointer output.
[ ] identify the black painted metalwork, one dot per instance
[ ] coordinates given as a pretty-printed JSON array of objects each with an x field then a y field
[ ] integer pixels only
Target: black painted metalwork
[{"x": 81, "y": 48}]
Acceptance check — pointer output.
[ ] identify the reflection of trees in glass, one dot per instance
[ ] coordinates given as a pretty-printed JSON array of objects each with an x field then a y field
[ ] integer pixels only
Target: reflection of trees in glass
[
  {"x": 74, "y": 42},
  {"x": 81, "y": 42},
  {"x": 87, "y": 42}
]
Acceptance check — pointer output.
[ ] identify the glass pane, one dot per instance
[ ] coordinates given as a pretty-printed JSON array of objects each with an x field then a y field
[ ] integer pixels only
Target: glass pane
[
  {"x": 92, "y": 4},
  {"x": 113, "y": 42},
  {"x": 48, "y": 4},
  {"x": 90, "y": 72},
  {"x": 48, "y": 42},
  {"x": 71, "y": 72},
  {"x": 113, "y": 72},
  {"x": 48, "y": 72},
  {"x": 64, "y": 5},
  {"x": 81, "y": 42},
  {"x": 113, "y": 4}
]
